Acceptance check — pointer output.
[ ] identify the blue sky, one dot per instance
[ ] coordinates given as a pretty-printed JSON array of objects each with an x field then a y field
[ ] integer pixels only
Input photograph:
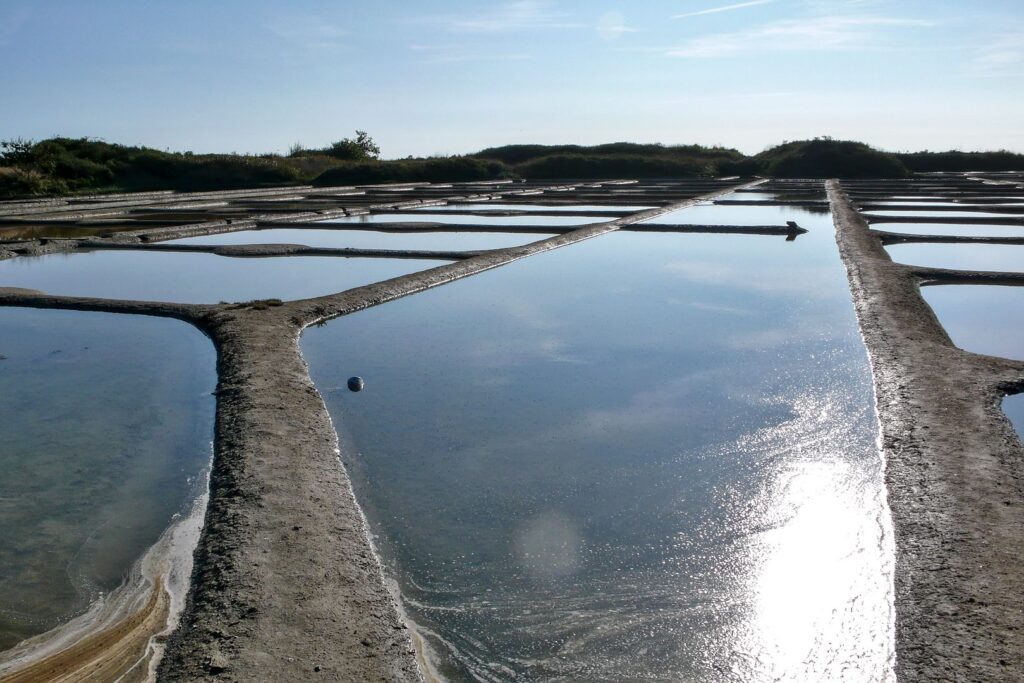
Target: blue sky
[{"x": 456, "y": 76}]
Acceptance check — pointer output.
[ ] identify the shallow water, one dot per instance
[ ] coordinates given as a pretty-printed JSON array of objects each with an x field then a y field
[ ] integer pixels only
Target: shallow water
[
  {"x": 107, "y": 424},
  {"x": 983, "y": 319},
  {"x": 495, "y": 206},
  {"x": 197, "y": 278},
  {"x": 364, "y": 239},
  {"x": 1001, "y": 257},
  {"x": 726, "y": 214},
  {"x": 940, "y": 214},
  {"x": 952, "y": 229},
  {"x": 1013, "y": 406},
  {"x": 442, "y": 217},
  {"x": 646, "y": 456}
]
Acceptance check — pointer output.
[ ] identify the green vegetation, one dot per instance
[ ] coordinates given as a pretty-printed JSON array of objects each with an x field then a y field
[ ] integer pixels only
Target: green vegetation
[
  {"x": 827, "y": 158},
  {"x": 962, "y": 161},
  {"x": 620, "y": 160},
  {"x": 439, "y": 169},
  {"x": 360, "y": 148},
  {"x": 67, "y": 165}
]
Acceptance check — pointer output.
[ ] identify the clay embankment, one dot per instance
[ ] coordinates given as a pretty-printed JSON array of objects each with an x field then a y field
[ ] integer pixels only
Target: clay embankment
[{"x": 954, "y": 470}]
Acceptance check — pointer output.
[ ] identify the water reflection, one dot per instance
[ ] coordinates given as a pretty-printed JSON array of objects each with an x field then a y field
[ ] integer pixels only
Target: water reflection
[
  {"x": 107, "y": 423},
  {"x": 498, "y": 206},
  {"x": 441, "y": 217},
  {"x": 365, "y": 239},
  {"x": 605, "y": 463},
  {"x": 981, "y": 318},
  {"x": 952, "y": 229},
  {"x": 196, "y": 278},
  {"x": 1013, "y": 406},
  {"x": 1001, "y": 257}
]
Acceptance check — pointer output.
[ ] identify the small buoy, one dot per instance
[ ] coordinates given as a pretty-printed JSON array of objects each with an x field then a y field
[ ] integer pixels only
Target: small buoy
[{"x": 355, "y": 384}]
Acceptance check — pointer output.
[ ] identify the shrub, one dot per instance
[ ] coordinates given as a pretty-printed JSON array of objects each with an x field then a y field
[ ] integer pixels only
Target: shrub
[
  {"x": 827, "y": 158},
  {"x": 442, "y": 169}
]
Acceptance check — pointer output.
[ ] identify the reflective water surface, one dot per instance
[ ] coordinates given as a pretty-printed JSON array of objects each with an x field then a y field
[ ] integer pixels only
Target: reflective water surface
[
  {"x": 952, "y": 229},
  {"x": 1013, "y": 406},
  {"x": 441, "y": 217},
  {"x": 941, "y": 213},
  {"x": 197, "y": 278},
  {"x": 719, "y": 214},
  {"x": 107, "y": 423},
  {"x": 981, "y": 318},
  {"x": 643, "y": 457},
  {"x": 1002, "y": 257},
  {"x": 365, "y": 239},
  {"x": 494, "y": 206}
]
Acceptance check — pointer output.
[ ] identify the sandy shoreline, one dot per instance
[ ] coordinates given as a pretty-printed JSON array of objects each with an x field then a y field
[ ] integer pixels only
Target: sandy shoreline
[{"x": 120, "y": 637}]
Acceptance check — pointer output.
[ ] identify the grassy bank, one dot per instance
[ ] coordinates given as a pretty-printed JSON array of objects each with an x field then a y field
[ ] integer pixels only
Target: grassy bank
[{"x": 60, "y": 166}]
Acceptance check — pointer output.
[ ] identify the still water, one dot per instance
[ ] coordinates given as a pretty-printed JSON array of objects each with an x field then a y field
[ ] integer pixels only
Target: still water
[
  {"x": 496, "y": 206},
  {"x": 366, "y": 239},
  {"x": 952, "y": 229},
  {"x": 643, "y": 457},
  {"x": 197, "y": 278},
  {"x": 1001, "y": 257},
  {"x": 1013, "y": 406},
  {"x": 425, "y": 217},
  {"x": 983, "y": 319},
  {"x": 107, "y": 423}
]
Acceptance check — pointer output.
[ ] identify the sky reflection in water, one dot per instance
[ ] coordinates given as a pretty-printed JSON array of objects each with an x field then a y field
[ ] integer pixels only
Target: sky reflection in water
[
  {"x": 952, "y": 229},
  {"x": 981, "y": 318},
  {"x": 1001, "y": 257},
  {"x": 1014, "y": 408},
  {"x": 365, "y": 239},
  {"x": 197, "y": 278},
  {"x": 425, "y": 217},
  {"x": 644, "y": 456}
]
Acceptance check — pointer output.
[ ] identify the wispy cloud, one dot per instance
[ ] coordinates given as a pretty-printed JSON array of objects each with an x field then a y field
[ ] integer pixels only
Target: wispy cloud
[
  {"x": 453, "y": 54},
  {"x": 816, "y": 33},
  {"x": 510, "y": 16},
  {"x": 1003, "y": 56},
  {"x": 308, "y": 31},
  {"x": 612, "y": 25},
  {"x": 724, "y": 8}
]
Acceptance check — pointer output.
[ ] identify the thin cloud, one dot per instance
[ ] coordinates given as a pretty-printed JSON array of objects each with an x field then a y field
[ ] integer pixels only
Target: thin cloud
[
  {"x": 455, "y": 54},
  {"x": 510, "y": 16},
  {"x": 1003, "y": 56},
  {"x": 819, "y": 34},
  {"x": 309, "y": 32},
  {"x": 725, "y": 8},
  {"x": 612, "y": 25}
]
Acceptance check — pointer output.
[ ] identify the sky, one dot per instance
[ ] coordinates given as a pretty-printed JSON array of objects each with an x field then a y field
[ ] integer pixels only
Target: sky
[{"x": 454, "y": 76}]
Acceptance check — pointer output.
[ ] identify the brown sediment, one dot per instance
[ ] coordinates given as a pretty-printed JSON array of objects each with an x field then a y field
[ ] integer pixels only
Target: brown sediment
[
  {"x": 118, "y": 652},
  {"x": 954, "y": 469},
  {"x": 286, "y": 585}
]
